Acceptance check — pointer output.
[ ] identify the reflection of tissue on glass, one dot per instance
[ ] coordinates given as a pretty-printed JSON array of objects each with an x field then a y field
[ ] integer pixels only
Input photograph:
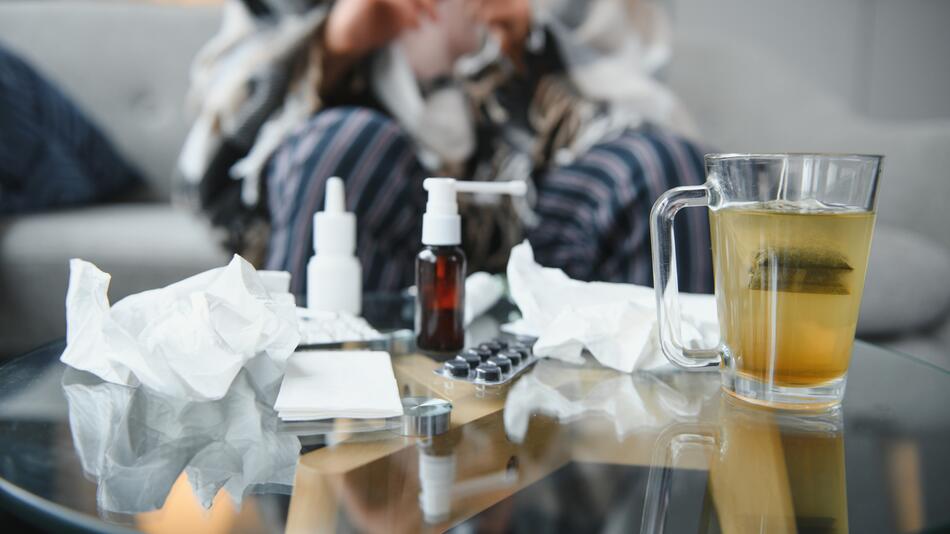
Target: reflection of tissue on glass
[
  {"x": 187, "y": 340},
  {"x": 136, "y": 443},
  {"x": 632, "y": 402}
]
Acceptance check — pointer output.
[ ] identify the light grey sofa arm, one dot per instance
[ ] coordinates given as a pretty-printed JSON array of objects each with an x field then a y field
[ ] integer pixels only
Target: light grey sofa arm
[{"x": 908, "y": 284}]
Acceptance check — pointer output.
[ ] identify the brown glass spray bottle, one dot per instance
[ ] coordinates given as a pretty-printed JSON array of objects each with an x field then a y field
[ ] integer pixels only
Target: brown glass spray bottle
[
  {"x": 440, "y": 313},
  {"x": 441, "y": 265}
]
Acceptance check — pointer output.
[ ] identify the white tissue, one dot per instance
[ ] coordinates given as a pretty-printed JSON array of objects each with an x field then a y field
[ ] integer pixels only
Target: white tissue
[
  {"x": 482, "y": 291},
  {"x": 187, "y": 340},
  {"x": 615, "y": 322}
]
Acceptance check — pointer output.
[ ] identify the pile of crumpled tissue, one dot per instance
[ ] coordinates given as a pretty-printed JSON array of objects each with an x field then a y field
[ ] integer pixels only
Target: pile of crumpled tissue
[
  {"x": 187, "y": 340},
  {"x": 616, "y": 323}
]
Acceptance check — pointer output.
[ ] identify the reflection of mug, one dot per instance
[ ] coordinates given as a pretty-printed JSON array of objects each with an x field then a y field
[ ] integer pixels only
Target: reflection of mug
[
  {"x": 790, "y": 238},
  {"x": 779, "y": 471},
  {"x": 769, "y": 471}
]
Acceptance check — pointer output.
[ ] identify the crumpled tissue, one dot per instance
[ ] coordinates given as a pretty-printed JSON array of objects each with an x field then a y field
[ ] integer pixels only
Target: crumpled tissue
[
  {"x": 631, "y": 402},
  {"x": 616, "y": 323},
  {"x": 136, "y": 443},
  {"x": 482, "y": 291},
  {"x": 187, "y": 340}
]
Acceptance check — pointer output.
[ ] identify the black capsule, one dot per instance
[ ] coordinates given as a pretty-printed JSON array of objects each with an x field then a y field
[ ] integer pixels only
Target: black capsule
[
  {"x": 513, "y": 355},
  {"x": 525, "y": 350},
  {"x": 470, "y": 357},
  {"x": 502, "y": 362},
  {"x": 483, "y": 353},
  {"x": 489, "y": 372},
  {"x": 491, "y": 346},
  {"x": 457, "y": 368}
]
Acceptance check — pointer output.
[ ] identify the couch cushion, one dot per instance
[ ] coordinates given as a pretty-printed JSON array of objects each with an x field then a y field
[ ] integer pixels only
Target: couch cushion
[
  {"x": 745, "y": 98},
  {"x": 907, "y": 287},
  {"x": 125, "y": 64},
  {"x": 143, "y": 246}
]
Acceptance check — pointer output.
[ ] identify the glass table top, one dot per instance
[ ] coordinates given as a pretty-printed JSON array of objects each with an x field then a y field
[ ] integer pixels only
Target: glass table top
[{"x": 562, "y": 448}]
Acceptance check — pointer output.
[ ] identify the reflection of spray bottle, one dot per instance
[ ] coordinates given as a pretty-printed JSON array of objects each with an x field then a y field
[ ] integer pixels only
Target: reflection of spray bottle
[
  {"x": 441, "y": 265},
  {"x": 436, "y": 476}
]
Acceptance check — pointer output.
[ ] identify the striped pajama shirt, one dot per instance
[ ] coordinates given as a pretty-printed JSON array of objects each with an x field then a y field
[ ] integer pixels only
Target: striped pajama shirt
[{"x": 593, "y": 212}]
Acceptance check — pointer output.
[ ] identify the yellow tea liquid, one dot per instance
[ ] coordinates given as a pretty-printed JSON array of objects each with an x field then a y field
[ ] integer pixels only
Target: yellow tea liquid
[{"x": 789, "y": 278}]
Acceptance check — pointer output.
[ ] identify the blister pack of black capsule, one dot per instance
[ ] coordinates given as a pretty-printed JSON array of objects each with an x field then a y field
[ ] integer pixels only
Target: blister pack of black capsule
[{"x": 492, "y": 363}]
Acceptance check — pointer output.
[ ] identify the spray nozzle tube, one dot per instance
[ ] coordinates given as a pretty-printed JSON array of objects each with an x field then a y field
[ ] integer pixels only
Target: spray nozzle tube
[
  {"x": 514, "y": 188},
  {"x": 441, "y": 224},
  {"x": 443, "y": 192}
]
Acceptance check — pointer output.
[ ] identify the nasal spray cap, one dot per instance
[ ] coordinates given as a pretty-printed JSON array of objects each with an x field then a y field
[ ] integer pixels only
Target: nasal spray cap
[
  {"x": 441, "y": 224},
  {"x": 334, "y": 228}
]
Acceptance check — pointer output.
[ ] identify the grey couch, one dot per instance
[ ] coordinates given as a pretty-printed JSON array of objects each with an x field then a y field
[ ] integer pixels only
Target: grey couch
[{"x": 127, "y": 66}]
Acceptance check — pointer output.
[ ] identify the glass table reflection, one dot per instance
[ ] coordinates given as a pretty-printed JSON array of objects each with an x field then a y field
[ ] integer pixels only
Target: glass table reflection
[{"x": 563, "y": 448}]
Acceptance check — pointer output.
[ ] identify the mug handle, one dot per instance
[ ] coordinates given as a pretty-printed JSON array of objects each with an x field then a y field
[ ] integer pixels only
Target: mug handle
[
  {"x": 672, "y": 445},
  {"x": 664, "y": 275}
]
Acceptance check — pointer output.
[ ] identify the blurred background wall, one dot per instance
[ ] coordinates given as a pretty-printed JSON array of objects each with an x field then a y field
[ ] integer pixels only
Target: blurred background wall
[{"x": 868, "y": 76}]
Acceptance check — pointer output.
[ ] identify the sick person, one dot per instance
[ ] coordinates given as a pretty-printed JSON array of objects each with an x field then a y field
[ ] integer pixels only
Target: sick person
[{"x": 383, "y": 93}]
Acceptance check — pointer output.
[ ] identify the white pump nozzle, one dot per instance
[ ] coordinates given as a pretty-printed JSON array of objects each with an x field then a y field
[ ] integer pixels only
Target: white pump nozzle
[
  {"x": 334, "y": 228},
  {"x": 441, "y": 224}
]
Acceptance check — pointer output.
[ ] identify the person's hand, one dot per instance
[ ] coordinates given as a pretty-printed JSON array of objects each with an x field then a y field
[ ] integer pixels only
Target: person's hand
[
  {"x": 356, "y": 27},
  {"x": 509, "y": 20}
]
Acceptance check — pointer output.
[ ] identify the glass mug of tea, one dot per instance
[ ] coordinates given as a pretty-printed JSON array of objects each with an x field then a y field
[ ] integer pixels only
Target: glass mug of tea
[{"x": 790, "y": 240}]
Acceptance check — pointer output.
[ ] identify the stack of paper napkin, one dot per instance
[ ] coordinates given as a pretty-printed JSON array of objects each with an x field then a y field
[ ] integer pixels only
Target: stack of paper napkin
[{"x": 338, "y": 384}]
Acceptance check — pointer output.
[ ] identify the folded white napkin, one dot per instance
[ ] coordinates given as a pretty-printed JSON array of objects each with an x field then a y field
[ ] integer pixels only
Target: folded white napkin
[
  {"x": 187, "y": 340},
  {"x": 345, "y": 384},
  {"x": 615, "y": 322}
]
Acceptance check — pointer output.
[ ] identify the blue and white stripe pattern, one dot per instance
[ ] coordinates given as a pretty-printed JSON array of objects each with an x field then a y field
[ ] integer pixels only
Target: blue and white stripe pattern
[
  {"x": 51, "y": 155},
  {"x": 594, "y": 212}
]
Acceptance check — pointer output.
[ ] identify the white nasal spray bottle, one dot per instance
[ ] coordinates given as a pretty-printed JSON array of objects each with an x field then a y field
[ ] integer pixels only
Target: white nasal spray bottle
[{"x": 334, "y": 275}]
